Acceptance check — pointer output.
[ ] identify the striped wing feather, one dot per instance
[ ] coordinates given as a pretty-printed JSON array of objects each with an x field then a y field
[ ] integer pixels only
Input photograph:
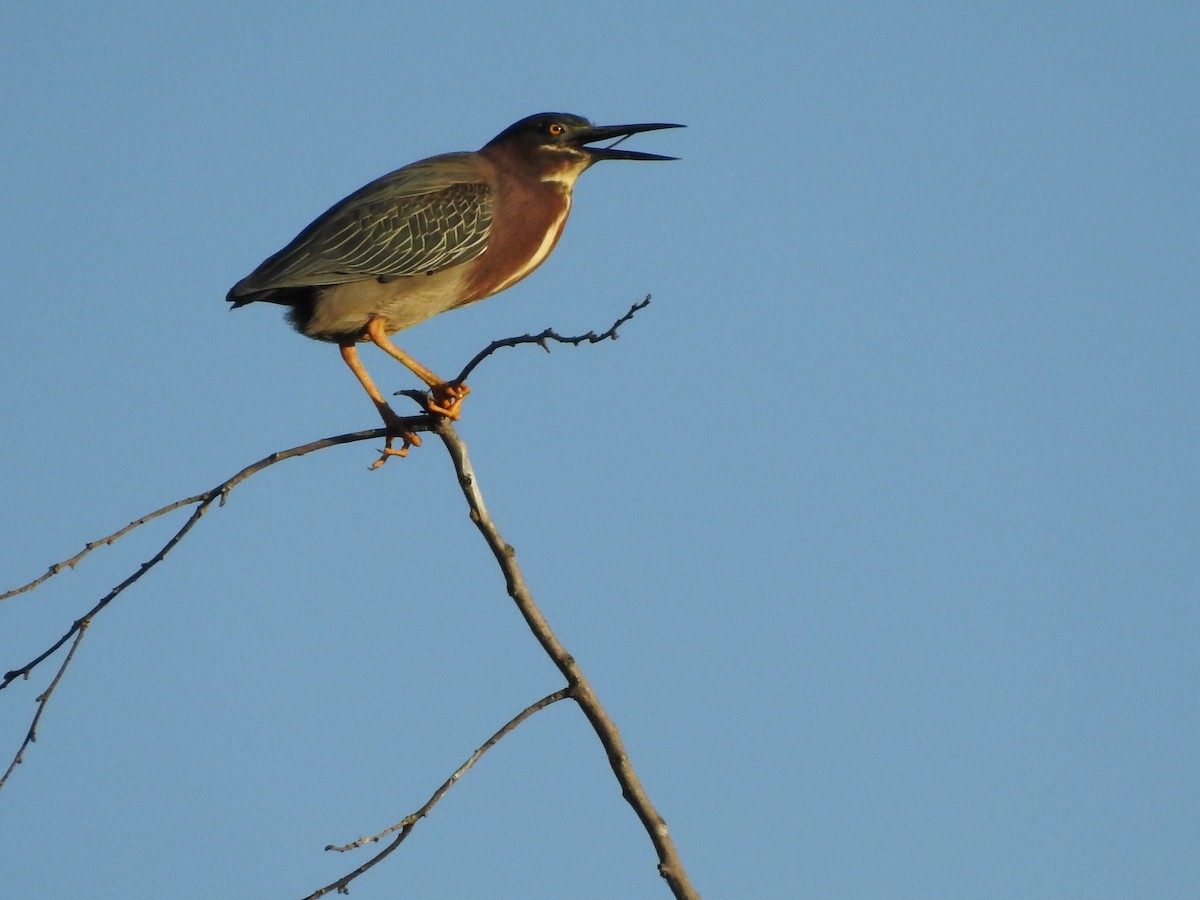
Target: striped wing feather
[{"x": 423, "y": 218}]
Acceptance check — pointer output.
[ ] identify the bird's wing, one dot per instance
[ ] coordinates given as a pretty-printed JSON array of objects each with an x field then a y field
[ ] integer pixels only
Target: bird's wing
[{"x": 420, "y": 219}]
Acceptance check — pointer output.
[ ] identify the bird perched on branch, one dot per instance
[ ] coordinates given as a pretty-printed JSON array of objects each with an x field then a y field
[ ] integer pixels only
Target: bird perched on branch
[{"x": 432, "y": 236}]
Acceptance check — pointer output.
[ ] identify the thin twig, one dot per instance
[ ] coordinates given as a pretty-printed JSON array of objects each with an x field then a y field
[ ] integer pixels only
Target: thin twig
[
  {"x": 204, "y": 500},
  {"x": 670, "y": 866},
  {"x": 551, "y": 335},
  {"x": 42, "y": 700},
  {"x": 406, "y": 825},
  {"x": 78, "y": 627},
  {"x": 100, "y": 542},
  {"x": 414, "y": 423},
  {"x": 221, "y": 491}
]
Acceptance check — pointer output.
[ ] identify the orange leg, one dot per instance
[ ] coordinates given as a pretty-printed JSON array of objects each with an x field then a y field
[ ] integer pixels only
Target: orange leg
[
  {"x": 445, "y": 396},
  {"x": 390, "y": 419}
]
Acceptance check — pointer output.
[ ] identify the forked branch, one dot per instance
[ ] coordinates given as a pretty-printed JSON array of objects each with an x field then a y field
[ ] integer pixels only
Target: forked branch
[
  {"x": 578, "y": 688},
  {"x": 670, "y": 866},
  {"x": 409, "y": 822}
]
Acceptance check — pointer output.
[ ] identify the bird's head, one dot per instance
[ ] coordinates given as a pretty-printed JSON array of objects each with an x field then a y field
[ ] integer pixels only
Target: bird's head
[{"x": 556, "y": 144}]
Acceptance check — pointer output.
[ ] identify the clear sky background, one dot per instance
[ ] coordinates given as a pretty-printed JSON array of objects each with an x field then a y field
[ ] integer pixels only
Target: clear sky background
[{"x": 876, "y": 531}]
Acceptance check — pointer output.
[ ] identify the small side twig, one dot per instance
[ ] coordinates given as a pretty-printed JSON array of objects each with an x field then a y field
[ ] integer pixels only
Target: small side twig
[
  {"x": 406, "y": 825},
  {"x": 99, "y": 542},
  {"x": 550, "y": 334},
  {"x": 42, "y": 700}
]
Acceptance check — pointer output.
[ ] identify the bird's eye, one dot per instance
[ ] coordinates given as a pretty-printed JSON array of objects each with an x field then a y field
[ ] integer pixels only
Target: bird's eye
[{"x": 555, "y": 129}]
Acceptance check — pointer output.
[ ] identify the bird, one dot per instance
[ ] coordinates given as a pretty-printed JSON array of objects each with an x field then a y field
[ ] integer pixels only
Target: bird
[{"x": 435, "y": 235}]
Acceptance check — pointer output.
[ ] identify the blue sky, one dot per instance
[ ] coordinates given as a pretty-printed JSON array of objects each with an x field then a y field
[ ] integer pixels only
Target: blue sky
[{"x": 876, "y": 531}]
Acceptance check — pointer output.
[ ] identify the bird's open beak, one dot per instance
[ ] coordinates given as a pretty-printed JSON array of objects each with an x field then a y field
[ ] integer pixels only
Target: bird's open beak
[{"x": 604, "y": 132}]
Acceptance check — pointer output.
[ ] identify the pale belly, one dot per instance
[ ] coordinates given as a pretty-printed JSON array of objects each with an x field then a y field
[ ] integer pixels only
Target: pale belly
[{"x": 343, "y": 310}]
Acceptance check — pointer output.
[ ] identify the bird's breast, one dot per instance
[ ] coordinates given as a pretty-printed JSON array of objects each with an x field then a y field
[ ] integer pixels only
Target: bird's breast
[{"x": 524, "y": 232}]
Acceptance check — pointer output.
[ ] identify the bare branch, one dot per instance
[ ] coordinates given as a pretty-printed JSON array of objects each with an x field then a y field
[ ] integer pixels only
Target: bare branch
[
  {"x": 42, "y": 700},
  {"x": 221, "y": 491},
  {"x": 414, "y": 423},
  {"x": 670, "y": 866},
  {"x": 81, "y": 624},
  {"x": 203, "y": 501},
  {"x": 551, "y": 335},
  {"x": 99, "y": 542},
  {"x": 406, "y": 825}
]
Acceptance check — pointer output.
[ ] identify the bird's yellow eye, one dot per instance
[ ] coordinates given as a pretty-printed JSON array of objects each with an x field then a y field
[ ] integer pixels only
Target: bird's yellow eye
[{"x": 555, "y": 129}]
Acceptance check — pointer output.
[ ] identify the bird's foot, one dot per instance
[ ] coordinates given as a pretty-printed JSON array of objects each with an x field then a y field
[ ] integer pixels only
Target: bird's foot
[
  {"x": 389, "y": 451},
  {"x": 444, "y": 398},
  {"x": 408, "y": 438}
]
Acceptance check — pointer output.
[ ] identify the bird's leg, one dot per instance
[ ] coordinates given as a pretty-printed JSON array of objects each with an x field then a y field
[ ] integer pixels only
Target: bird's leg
[
  {"x": 392, "y": 421},
  {"x": 444, "y": 396}
]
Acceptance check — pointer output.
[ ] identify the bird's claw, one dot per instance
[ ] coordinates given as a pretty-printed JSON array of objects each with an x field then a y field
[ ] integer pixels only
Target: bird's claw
[
  {"x": 444, "y": 398},
  {"x": 408, "y": 439}
]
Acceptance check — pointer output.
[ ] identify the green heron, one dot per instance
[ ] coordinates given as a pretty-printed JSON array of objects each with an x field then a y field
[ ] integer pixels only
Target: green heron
[{"x": 432, "y": 236}]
